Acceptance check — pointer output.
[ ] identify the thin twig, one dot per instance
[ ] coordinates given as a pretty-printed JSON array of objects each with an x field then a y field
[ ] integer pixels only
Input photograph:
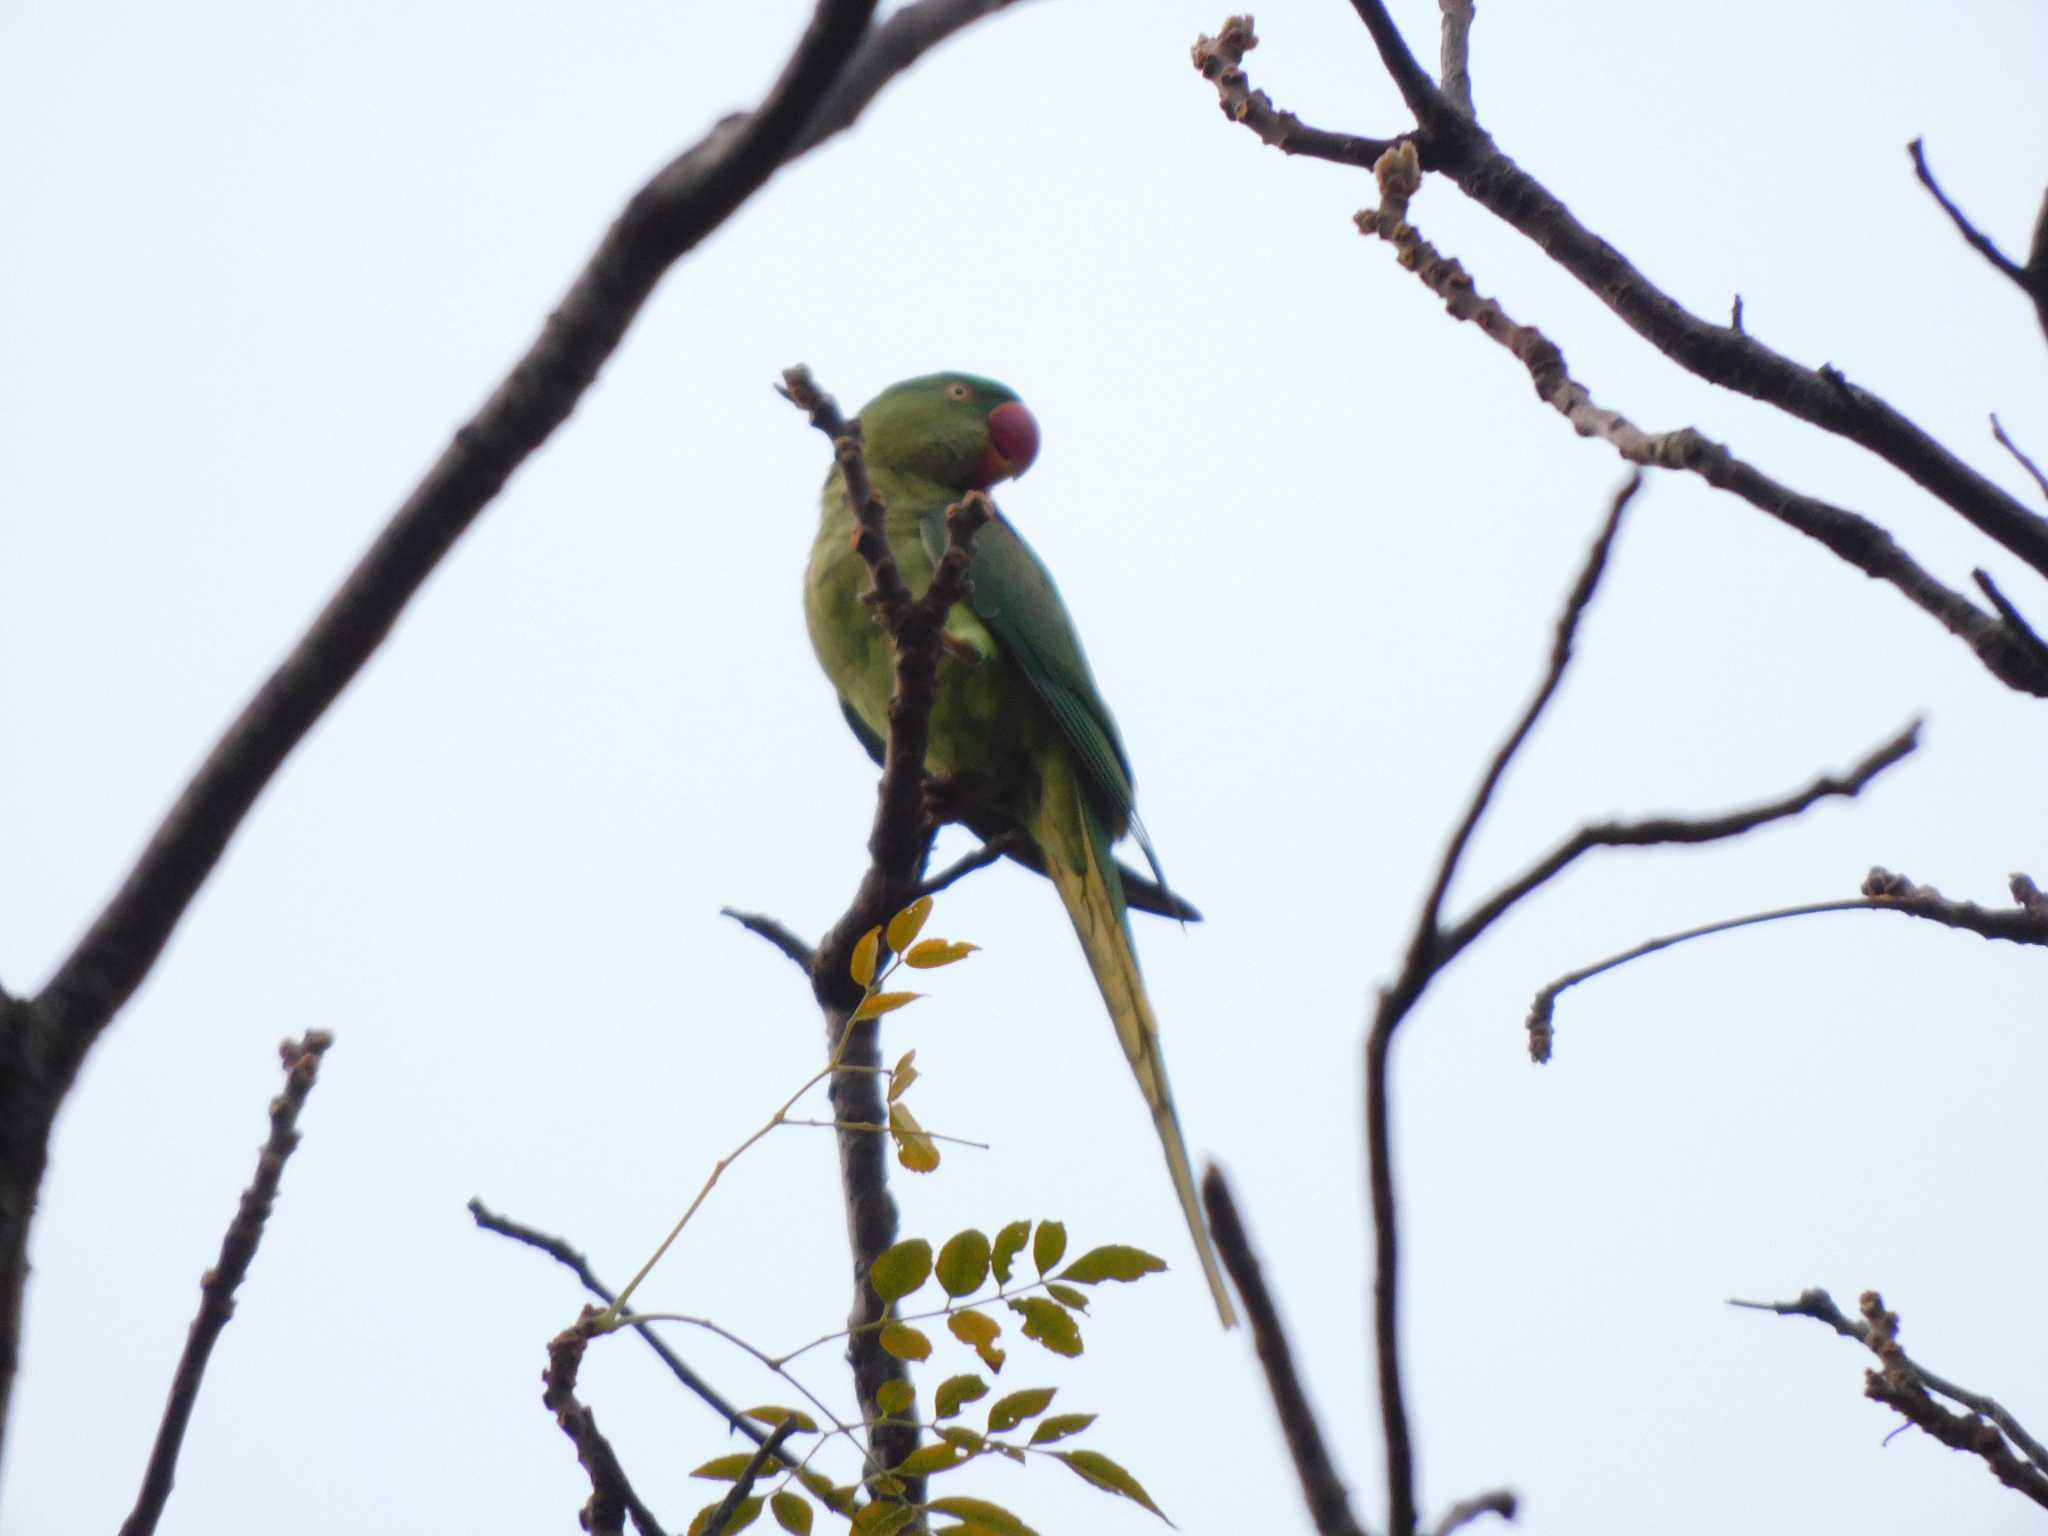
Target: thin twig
[
  {"x": 1657, "y": 831},
  {"x": 2032, "y": 280},
  {"x": 1499, "y": 1501},
  {"x": 2008, "y": 653},
  {"x": 775, "y": 933},
  {"x": 563, "y": 1253},
  {"x": 217, "y": 1288},
  {"x": 967, "y": 864},
  {"x": 1329, "y": 1502},
  {"x": 1998, "y": 432},
  {"x": 1885, "y": 892},
  {"x": 1905, "y": 1380},
  {"x": 612, "y": 1498},
  {"x": 2015, "y": 622},
  {"x": 743, "y": 1486}
]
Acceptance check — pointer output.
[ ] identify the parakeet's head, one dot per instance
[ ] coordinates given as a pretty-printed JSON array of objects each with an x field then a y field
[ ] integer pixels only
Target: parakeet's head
[{"x": 964, "y": 432}]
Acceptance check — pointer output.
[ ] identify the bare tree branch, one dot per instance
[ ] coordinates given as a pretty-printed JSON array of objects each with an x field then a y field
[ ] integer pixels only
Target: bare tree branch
[
  {"x": 612, "y": 1498},
  {"x": 1883, "y": 892},
  {"x": 1329, "y": 1502},
  {"x": 1447, "y": 141},
  {"x": 2008, "y": 649},
  {"x": 897, "y": 846},
  {"x": 1498, "y": 1502},
  {"x": 1220, "y": 60},
  {"x": 1998, "y": 431},
  {"x": 1904, "y": 1385},
  {"x": 217, "y": 1287},
  {"x": 1434, "y": 946},
  {"x": 2032, "y": 279},
  {"x": 564, "y": 1253},
  {"x": 768, "y": 928}
]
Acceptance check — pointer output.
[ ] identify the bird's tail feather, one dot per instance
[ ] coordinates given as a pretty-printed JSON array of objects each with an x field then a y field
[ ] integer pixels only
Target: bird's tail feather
[{"x": 1094, "y": 902}]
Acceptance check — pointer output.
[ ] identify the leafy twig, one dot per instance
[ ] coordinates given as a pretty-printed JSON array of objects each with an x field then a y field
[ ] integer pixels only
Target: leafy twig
[
  {"x": 743, "y": 1486},
  {"x": 217, "y": 1288}
]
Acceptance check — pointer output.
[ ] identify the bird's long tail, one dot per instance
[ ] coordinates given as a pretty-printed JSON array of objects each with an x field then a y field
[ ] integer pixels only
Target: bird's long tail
[{"x": 1095, "y": 903}]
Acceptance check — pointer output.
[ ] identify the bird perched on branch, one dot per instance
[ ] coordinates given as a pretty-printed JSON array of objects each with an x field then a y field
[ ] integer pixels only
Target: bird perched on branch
[{"x": 1021, "y": 741}]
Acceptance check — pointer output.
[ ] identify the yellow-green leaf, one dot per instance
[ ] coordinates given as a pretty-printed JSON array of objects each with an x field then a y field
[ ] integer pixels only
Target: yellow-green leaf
[
  {"x": 1009, "y": 1243},
  {"x": 882, "y": 1518},
  {"x": 1049, "y": 1323},
  {"x": 980, "y": 1512},
  {"x": 902, "y": 1075},
  {"x": 875, "y": 1004},
  {"x": 1067, "y": 1296},
  {"x": 729, "y": 1467},
  {"x": 748, "y": 1512},
  {"x": 981, "y": 1331},
  {"x": 954, "y": 1393},
  {"x": 914, "y": 1149},
  {"x": 895, "y": 1397},
  {"x": 1009, "y": 1411},
  {"x": 905, "y": 926},
  {"x": 902, "y": 1268},
  {"x": 963, "y": 1263},
  {"x": 792, "y": 1512},
  {"x": 1114, "y": 1261},
  {"x": 834, "y": 1496},
  {"x": 771, "y": 1415},
  {"x": 933, "y": 953},
  {"x": 864, "y": 956},
  {"x": 1098, "y": 1469},
  {"x": 905, "y": 1342},
  {"x": 1050, "y": 1245},
  {"x": 959, "y": 1436},
  {"x": 886, "y": 1485},
  {"x": 928, "y": 1459},
  {"x": 1058, "y": 1426}
]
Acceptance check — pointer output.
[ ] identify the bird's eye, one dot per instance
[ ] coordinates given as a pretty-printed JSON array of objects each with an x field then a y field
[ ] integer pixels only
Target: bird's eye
[{"x": 958, "y": 391}]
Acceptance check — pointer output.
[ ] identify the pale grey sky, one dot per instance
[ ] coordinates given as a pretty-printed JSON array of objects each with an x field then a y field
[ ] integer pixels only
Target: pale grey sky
[{"x": 261, "y": 260}]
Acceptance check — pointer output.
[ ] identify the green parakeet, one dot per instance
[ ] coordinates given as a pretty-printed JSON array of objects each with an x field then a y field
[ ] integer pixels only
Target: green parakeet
[{"x": 1019, "y": 728}]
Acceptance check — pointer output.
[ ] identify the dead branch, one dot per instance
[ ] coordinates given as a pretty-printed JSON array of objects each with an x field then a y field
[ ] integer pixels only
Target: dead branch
[
  {"x": 217, "y": 1287},
  {"x": 612, "y": 1498},
  {"x": 763, "y": 926},
  {"x": 2008, "y": 649},
  {"x": 1905, "y": 1386},
  {"x": 2032, "y": 279},
  {"x": 1446, "y": 140}
]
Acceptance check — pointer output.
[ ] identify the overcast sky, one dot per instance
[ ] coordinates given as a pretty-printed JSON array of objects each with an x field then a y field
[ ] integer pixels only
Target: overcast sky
[{"x": 259, "y": 262}]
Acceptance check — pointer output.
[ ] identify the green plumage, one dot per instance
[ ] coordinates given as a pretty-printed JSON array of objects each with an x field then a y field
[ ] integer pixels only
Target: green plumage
[{"x": 1019, "y": 727}]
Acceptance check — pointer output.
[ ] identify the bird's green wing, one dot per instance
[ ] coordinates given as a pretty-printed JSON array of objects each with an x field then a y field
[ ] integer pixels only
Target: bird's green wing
[{"x": 1015, "y": 597}]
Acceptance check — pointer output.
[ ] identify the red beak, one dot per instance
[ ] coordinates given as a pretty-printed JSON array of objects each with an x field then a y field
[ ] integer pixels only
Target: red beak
[{"x": 1012, "y": 443}]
